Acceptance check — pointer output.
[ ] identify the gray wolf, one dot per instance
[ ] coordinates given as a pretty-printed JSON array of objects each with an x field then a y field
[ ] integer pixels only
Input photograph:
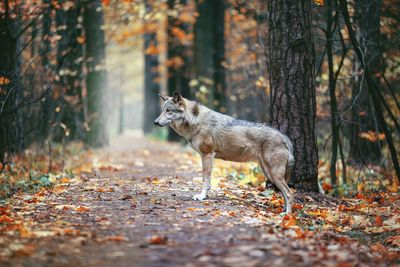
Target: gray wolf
[{"x": 215, "y": 135}]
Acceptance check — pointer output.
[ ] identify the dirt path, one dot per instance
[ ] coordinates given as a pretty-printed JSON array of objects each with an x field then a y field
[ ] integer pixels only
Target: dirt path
[{"x": 136, "y": 210}]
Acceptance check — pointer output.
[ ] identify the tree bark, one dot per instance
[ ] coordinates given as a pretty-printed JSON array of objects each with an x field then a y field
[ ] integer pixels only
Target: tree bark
[
  {"x": 46, "y": 50},
  {"x": 172, "y": 55},
  {"x": 151, "y": 79},
  {"x": 330, "y": 29},
  {"x": 178, "y": 56},
  {"x": 96, "y": 80},
  {"x": 10, "y": 128},
  {"x": 363, "y": 150},
  {"x": 293, "y": 102},
  {"x": 74, "y": 118},
  {"x": 219, "y": 55},
  {"x": 372, "y": 88},
  {"x": 209, "y": 53},
  {"x": 69, "y": 61}
]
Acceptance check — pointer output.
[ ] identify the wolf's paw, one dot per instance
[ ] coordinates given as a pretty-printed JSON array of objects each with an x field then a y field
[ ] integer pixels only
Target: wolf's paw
[{"x": 199, "y": 197}]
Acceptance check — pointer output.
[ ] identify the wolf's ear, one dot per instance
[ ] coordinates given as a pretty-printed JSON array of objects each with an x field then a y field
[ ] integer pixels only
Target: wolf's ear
[
  {"x": 162, "y": 97},
  {"x": 177, "y": 97}
]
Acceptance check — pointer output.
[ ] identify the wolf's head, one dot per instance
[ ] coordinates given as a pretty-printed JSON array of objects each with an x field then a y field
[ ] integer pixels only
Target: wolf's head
[{"x": 172, "y": 110}]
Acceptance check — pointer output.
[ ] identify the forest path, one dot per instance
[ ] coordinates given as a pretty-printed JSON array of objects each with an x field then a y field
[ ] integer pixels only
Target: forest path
[{"x": 136, "y": 209}]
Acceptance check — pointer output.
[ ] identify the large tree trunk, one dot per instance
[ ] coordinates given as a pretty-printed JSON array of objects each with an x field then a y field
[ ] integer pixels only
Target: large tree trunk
[
  {"x": 293, "y": 103},
  {"x": 364, "y": 150},
  {"x": 96, "y": 81},
  {"x": 10, "y": 128},
  {"x": 152, "y": 77}
]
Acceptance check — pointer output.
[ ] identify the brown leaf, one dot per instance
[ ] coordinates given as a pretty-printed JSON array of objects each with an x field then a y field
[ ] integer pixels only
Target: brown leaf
[{"x": 158, "y": 240}]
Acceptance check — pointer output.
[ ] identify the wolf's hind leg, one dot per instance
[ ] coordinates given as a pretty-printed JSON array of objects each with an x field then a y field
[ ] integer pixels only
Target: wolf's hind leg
[
  {"x": 274, "y": 167},
  {"x": 207, "y": 162}
]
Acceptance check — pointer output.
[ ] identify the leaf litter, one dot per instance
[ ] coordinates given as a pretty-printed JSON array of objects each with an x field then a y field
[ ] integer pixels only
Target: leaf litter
[{"x": 143, "y": 213}]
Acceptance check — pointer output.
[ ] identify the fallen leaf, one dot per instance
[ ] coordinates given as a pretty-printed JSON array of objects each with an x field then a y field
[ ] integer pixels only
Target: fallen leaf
[
  {"x": 82, "y": 209},
  {"x": 158, "y": 240}
]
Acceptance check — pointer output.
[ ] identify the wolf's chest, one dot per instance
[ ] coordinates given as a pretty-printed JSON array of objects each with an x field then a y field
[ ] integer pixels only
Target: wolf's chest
[{"x": 222, "y": 150}]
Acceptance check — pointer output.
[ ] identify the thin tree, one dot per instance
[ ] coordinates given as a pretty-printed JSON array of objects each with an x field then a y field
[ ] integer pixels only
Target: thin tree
[
  {"x": 173, "y": 59},
  {"x": 151, "y": 74},
  {"x": 372, "y": 88},
  {"x": 366, "y": 150},
  {"x": 209, "y": 52},
  {"x": 96, "y": 80},
  {"x": 10, "y": 128},
  {"x": 293, "y": 102}
]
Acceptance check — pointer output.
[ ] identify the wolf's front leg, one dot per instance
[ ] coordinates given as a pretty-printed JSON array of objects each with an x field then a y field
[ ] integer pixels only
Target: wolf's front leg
[{"x": 207, "y": 162}]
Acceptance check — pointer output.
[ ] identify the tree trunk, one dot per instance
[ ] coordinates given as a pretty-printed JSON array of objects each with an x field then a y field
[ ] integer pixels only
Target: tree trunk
[
  {"x": 293, "y": 103},
  {"x": 73, "y": 115},
  {"x": 151, "y": 79},
  {"x": 10, "y": 130},
  {"x": 203, "y": 47},
  {"x": 364, "y": 150},
  {"x": 69, "y": 118},
  {"x": 177, "y": 57},
  {"x": 46, "y": 33},
  {"x": 219, "y": 55},
  {"x": 373, "y": 89},
  {"x": 96, "y": 80},
  {"x": 46, "y": 50},
  {"x": 172, "y": 69},
  {"x": 332, "y": 90}
]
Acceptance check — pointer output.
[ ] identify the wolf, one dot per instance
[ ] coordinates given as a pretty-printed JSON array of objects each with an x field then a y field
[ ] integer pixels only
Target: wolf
[{"x": 216, "y": 135}]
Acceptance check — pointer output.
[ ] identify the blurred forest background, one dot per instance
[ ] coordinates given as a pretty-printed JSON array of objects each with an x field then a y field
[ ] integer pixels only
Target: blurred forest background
[{"x": 89, "y": 70}]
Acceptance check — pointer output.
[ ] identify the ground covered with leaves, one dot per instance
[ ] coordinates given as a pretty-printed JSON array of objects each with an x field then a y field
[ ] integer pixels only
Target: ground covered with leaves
[{"x": 132, "y": 206}]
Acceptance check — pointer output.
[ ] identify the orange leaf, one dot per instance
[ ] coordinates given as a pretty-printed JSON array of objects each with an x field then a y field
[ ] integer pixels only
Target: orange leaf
[
  {"x": 81, "y": 39},
  {"x": 158, "y": 240},
  {"x": 152, "y": 50},
  {"x": 326, "y": 187},
  {"x": 5, "y": 218},
  {"x": 116, "y": 238},
  {"x": 64, "y": 180},
  {"x": 372, "y": 136},
  {"x": 297, "y": 206},
  {"x": 4, "y": 80},
  {"x": 378, "y": 221},
  {"x": 82, "y": 209},
  {"x": 319, "y": 2},
  {"x": 288, "y": 221}
]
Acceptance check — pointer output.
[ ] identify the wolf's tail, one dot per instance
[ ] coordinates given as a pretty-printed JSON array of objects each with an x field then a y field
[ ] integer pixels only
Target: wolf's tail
[{"x": 290, "y": 162}]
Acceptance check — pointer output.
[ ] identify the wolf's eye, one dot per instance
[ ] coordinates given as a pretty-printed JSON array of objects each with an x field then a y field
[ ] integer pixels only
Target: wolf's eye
[{"x": 168, "y": 110}]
